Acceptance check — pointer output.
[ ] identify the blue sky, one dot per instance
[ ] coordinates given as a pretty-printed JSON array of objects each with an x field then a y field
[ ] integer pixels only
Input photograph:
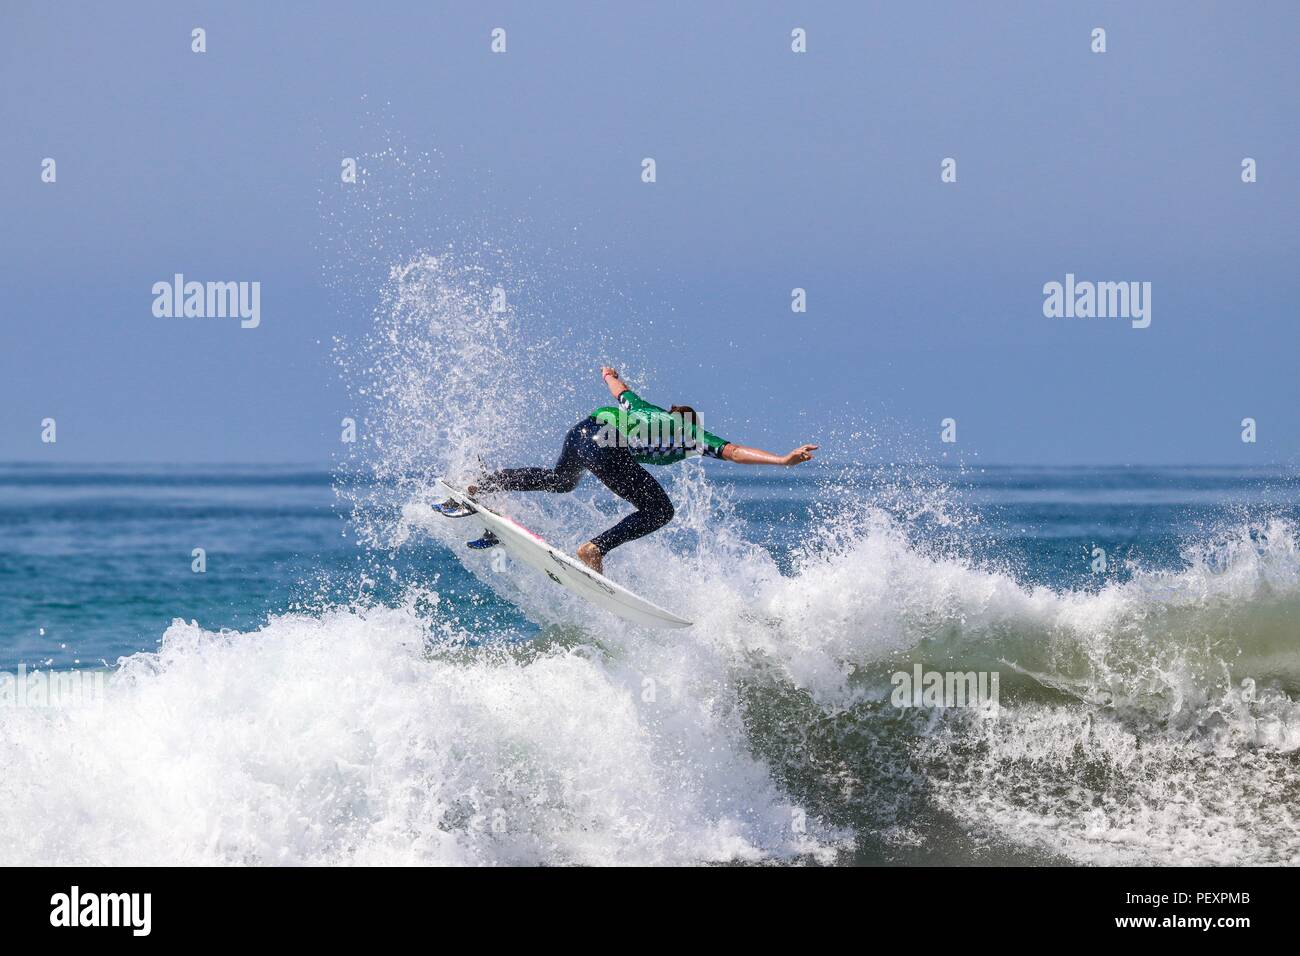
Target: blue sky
[{"x": 775, "y": 170}]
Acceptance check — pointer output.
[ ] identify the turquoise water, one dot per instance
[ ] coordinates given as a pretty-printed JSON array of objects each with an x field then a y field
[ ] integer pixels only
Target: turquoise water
[{"x": 99, "y": 557}]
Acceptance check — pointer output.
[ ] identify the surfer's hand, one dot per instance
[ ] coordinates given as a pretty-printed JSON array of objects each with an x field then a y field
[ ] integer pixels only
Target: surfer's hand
[
  {"x": 800, "y": 455},
  {"x": 609, "y": 376}
]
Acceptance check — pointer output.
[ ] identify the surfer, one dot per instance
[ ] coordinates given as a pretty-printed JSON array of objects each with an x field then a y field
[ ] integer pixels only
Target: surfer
[{"x": 613, "y": 443}]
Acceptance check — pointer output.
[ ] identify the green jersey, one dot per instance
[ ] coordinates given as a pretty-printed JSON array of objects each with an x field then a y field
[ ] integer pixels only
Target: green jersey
[{"x": 654, "y": 435}]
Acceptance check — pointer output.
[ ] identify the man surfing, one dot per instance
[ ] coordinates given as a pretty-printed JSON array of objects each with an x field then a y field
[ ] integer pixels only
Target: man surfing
[{"x": 613, "y": 443}]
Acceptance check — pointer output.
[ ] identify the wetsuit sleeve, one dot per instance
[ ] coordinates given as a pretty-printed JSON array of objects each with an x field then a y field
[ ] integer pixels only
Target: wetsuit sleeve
[
  {"x": 635, "y": 403},
  {"x": 710, "y": 444}
]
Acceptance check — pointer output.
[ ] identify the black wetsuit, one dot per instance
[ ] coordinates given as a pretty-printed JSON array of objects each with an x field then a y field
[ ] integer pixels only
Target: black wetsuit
[
  {"x": 613, "y": 464},
  {"x": 613, "y": 444}
]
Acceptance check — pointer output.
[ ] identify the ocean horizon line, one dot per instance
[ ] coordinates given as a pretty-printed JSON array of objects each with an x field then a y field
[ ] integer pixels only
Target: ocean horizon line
[{"x": 824, "y": 462}]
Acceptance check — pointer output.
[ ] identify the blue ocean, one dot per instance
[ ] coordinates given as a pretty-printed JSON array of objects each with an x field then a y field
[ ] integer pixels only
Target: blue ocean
[{"x": 338, "y": 680}]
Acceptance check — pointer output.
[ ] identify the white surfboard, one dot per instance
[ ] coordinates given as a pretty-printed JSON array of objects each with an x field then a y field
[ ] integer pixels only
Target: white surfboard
[{"x": 565, "y": 570}]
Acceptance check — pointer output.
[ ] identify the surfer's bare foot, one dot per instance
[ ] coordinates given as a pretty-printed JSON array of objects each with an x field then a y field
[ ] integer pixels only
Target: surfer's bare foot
[
  {"x": 472, "y": 490},
  {"x": 590, "y": 555}
]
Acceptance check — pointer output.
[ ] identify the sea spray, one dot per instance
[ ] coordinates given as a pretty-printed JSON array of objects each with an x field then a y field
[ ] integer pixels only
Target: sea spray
[{"x": 884, "y": 576}]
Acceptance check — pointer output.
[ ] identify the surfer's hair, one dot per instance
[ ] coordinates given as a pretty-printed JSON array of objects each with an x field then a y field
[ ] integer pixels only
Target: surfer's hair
[
  {"x": 686, "y": 423},
  {"x": 685, "y": 410}
]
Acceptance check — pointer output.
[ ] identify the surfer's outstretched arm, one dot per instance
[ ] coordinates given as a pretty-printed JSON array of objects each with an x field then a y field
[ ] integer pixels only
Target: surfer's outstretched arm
[{"x": 745, "y": 455}]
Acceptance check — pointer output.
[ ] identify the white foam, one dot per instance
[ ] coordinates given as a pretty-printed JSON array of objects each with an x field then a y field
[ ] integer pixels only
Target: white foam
[
  {"x": 338, "y": 739},
  {"x": 1095, "y": 788}
]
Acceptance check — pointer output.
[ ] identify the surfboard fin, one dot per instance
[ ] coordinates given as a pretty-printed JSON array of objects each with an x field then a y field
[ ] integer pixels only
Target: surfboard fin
[{"x": 452, "y": 508}]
